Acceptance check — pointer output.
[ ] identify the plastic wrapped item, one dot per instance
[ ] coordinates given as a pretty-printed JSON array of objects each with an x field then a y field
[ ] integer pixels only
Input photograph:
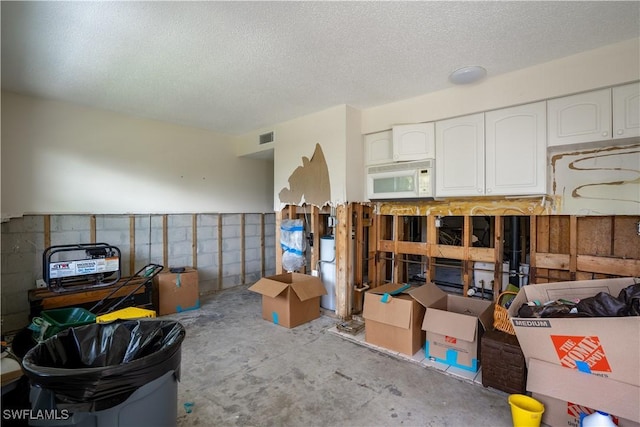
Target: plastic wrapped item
[
  {"x": 97, "y": 366},
  {"x": 293, "y": 244}
]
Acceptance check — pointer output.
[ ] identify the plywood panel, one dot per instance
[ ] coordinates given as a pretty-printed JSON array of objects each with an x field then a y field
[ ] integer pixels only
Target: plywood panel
[
  {"x": 594, "y": 235},
  {"x": 626, "y": 242}
]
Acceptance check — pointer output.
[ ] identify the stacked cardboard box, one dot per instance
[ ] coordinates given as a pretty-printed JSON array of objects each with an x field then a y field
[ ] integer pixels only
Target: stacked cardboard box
[
  {"x": 579, "y": 362},
  {"x": 176, "y": 292}
]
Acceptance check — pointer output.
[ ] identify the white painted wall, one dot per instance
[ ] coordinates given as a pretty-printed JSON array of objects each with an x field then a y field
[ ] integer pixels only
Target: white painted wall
[
  {"x": 297, "y": 138},
  {"x": 62, "y": 158},
  {"x": 607, "y": 66}
]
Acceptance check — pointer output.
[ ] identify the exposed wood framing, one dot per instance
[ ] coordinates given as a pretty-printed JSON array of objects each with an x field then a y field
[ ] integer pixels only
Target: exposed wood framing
[
  {"x": 165, "y": 241},
  {"x": 92, "y": 229},
  {"x": 194, "y": 240},
  {"x": 280, "y": 215},
  {"x": 242, "y": 248},
  {"x": 47, "y": 230},
  {"x": 132, "y": 244},
  {"x": 220, "y": 259},
  {"x": 344, "y": 285},
  {"x": 262, "y": 246},
  {"x": 315, "y": 229}
]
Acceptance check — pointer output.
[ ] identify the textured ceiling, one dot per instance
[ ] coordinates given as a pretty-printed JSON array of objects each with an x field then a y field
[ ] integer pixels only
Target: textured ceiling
[{"x": 235, "y": 67}]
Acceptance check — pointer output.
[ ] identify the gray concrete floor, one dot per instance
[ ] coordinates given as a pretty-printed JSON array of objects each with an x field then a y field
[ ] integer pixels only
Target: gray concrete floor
[{"x": 238, "y": 369}]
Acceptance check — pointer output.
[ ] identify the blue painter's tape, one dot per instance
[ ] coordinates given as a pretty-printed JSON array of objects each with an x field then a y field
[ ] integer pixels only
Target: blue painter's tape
[
  {"x": 291, "y": 228},
  {"x": 583, "y": 366},
  {"x": 178, "y": 282},
  {"x": 274, "y": 317},
  {"x": 451, "y": 359},
  {"x": 385, "y": 298},
  {"x": 179, "y": 308},
  {"x": 400, "y": 289}
]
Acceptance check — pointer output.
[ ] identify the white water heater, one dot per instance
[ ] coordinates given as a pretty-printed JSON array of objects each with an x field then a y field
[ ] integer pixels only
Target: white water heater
[{"x": 328, "y": 271}]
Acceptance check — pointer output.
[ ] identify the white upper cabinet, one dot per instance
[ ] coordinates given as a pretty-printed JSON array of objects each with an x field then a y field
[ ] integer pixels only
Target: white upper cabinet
[
  {"x": 585, "y": 117},
  {"x": 626, "y": 111},
  {"x": 516, "y": 150},
  {"x": 460, "y": 166},
  {"x": 413, "y": 142},
  {"x": 378, "y": 148}
]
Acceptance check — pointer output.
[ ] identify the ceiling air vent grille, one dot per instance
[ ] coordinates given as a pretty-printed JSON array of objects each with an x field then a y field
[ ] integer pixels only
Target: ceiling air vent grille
[{"x": 266, "y": 138}]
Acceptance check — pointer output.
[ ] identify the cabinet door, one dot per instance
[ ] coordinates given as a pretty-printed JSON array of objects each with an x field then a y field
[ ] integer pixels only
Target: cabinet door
[
  {"x": 460, "y": 156},
  {"x": 413, "y": 142},
  {"x": 585, "y": 117},
  {"x": 378, "y": 148},
  {"x": 516, "y": 152},
  {"x": 626, "y": 111}
]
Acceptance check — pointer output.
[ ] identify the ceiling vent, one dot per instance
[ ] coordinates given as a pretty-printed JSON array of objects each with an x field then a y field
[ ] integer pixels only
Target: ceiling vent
[{"x": 266, "y": 138}]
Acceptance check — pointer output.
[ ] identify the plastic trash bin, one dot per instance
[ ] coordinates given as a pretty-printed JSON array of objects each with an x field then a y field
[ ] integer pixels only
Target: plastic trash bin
[{"x": 123, "y": 373}]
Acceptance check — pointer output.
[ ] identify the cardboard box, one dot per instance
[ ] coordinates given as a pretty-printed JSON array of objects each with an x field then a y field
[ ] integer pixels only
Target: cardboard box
[
  {"x": 605, "y": 346},
  {"x": 176, "y": 292},
  {"x": 566, "y": 393},
  {"x": 454, "y": 326},
  {"x": 290, "y": 299},
  {"x": 394, "y": 321}
]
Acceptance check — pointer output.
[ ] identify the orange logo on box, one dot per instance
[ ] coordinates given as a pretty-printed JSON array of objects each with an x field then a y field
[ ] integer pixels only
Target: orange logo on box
[
  {"x": 451, "y": 340},
  {"x": 586, "y": 349},
  {"x": 574, "y": 410}
]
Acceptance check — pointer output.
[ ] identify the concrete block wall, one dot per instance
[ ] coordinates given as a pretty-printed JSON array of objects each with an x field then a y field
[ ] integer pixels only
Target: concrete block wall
[{"x": 23, "y": 243}]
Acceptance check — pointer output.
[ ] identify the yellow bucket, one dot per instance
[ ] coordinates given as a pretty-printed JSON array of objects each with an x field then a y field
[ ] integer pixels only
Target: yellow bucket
[{"x": 525, "y": 411}]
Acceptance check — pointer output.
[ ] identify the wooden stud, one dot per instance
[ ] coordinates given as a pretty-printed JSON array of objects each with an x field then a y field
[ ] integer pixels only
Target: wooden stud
[
  {"x": 360, "y": 251},
  {"x": 92, "y": 229},
  {"x": 343, "y": 285},
  {"x": 533, "y": 248},
  {"x": 315, "y": 241},
  {"x": 432, "y": 241},
  {"x": 242, "y": 248},
  {"x": 132, "y": 244},
  {"x": 279, "y": 218},
  {"x": 542, "y": 246},
  {"x": 372, "y": 253},
  {"x": 262, "y": 246},
  {"x": 573, "y": 246},
  {"x": 498, "y": 249},
  {"x": 467, "y": 264},
  {"x": 220, "y": 260},
  {"x": 165, "y": 241},
  {"x": 47, "y": 230},
  {"x": 194, "y": 241}
]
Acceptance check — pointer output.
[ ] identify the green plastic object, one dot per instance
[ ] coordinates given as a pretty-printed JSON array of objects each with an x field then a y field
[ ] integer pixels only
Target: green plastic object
[{"x": 63, "y": 318}]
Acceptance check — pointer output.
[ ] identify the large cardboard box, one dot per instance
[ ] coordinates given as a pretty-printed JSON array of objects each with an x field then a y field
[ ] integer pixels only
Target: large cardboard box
[
  {"x": 290, "y": 299},
  {"x": 454, "y": 326},
  {"x": 605, "y": 346},
  {"x": 566, "y": 393},
  {"x": 176, "y": 292},
  {"x": 393, "y": 320}
]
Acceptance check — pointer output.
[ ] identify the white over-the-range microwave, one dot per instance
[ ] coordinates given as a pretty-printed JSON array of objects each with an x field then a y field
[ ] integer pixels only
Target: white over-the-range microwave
[{"x": 401, "y": 180}]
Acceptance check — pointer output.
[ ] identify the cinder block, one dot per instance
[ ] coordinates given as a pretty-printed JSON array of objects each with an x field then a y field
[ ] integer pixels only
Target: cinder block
[
  {"x": 179, "y": 221},
  {"x": 252, "y": 254},
  {"x": 230, "y": 231},
  {"x": 253, "y": 265},
  {"x": 207, "y": 233},
  {"x": 207, "y": 220},
  {"x": 179, "y": 261},
  {"x": 116, "y": 238},
  {"x": 230, "y": 219},
  {"x": 207, "y": 286},
  {"x": 251, "y": 242},
  {"x": 69, "y": 237},
  {"x": 252, "y": 219},
  {"x": 208, "y": 246},
  {"x": 70, "y": 223},
  {"x": 178, "y": 234},
  {"x": 230, "y": 282},
  {"x": 17, "y": 263},
  {"x": 207, "y": 261},
  {"x": 180, "y": 249},
  {"x": 112, "y": 222},
  {"x": 251, "y": 230},
  {"x": 232, "y": 268},
  {"x": 230, "y": 244}
]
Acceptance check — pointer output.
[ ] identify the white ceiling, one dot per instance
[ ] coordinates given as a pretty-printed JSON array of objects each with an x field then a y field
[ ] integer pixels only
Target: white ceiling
[{"x": 234, "y": 67}]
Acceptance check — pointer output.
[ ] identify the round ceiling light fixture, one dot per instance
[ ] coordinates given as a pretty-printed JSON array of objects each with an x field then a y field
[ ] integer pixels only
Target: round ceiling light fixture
[{"x": 466, "y": 75}]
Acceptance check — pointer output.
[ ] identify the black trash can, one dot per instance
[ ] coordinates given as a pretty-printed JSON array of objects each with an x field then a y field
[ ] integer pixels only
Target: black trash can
[{"x": 123, "y": 373}]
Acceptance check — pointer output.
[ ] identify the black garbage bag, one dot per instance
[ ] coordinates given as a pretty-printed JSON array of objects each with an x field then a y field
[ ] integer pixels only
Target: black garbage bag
[
  {"x": 102, "y": 364},
  {"x": 631, "y": 298},
  {"x": 602, "y": 304}
]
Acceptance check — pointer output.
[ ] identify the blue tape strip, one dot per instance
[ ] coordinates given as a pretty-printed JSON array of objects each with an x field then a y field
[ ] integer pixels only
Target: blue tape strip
[
  {"x": 274, "y": 317},
  {"x": 451, "y": 359},
  {"x": 583, "y": 366},
  {"x": 179, "y": 309},
  {"x": 385, "y": 298},
  {"x": 291, "y": 228},
  {"x": 178, "y": 282},
  {"x": 400, "y": 289}
]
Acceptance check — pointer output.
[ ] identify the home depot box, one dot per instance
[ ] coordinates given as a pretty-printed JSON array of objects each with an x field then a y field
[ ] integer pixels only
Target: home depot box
[
  {"x": 290, "y": 299},
  {"x": 454, "y": 327},
  {"x": 606, "y": 346},
  {"x": 393, "y": 316},
  {"x": 176, "y": 292},
  {"x": 566, "y": 393}
]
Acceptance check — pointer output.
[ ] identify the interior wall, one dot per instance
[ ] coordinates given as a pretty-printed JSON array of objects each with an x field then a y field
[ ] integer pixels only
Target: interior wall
[
  {"x": 607, "y": 66},
  {"x": 296, "y": 139},
  {"x": 63, "y": 158}
]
